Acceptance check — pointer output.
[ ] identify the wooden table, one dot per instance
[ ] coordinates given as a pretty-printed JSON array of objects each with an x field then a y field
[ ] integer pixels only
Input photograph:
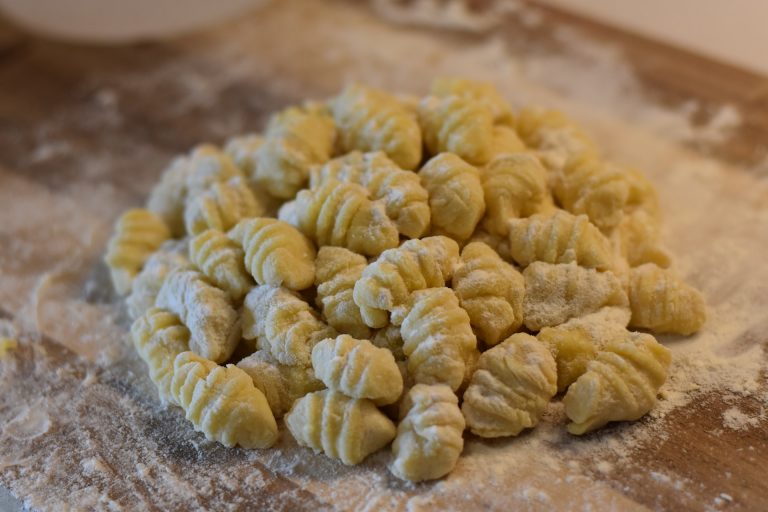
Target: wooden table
[{"x": 84, "y": 133}]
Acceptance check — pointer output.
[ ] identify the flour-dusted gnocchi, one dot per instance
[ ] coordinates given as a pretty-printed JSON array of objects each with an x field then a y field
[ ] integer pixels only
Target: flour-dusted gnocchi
[
  {"x": 372, "y": 120},
  {"x": 344, "y": 428},
  {"x": 505, "y": 142},
  {"x": 205, "y": 310},
  {"x": 455, "y": 195},
  {"x": 244, "y": 152},
  {"x": 358, "y": 369},
  {"x": 514, "y": 185},
  {"x": 662, "y": 302},
  {"x": 491, "y": 291},
  {"x": 389, "y": 337},
  {"x": 159, "y": 337},
  {"x": 167, "y": 198},
  {"x": 170, "y": 256},
  {"x": 511, "y": 388},
  {"x": 638, "y": 240},
  {"x": 620, "y": 384},
  {"x": 557, "y": 293},
  {"x": 276, "y": 253},
  {"x": 498, "y": 243},
  {"x": 459, "y": 125},
  {"x": 222, "y": 402},
  {"x": 429, "y": 436},
  {"x": 556, "y": 139},
  {"x": 416, "y": 264},
  {"x": 437, "y": 336},
  {"x": 559, "y": 237},
  {"x": 222, "y": 261},
  {"x": 137, "y": 234},
  {"x": 283, "y": 323},
  {"x": 337, "y": 270},
  {"x": 482, "y": 92},
  {"x": 221, "y": 206},
  {"x": 405, "y": 199},
  {"x": 576, "y": 342},
  {"x": 207, "y": 164},
  {"x": 281, "y": 384},
  {"x": 341, "y": 214}
]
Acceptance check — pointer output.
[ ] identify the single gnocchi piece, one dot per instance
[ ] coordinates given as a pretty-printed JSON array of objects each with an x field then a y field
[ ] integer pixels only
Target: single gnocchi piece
[
  {"x": 405, "y": 199},
  {"x": 341, "y": 214},
  {"x": 638, "y": 240},
  {"x": 514, "y": 185},
  {"x": 281, "y": 384},
  {"x": 556, "y": 139},
  {"x": 337, "y": 271},
  {"x": 170, "y": 256},
  {"x": 559, "y": 237},
  {"x": 455, "y": 195},
  {"x": 358, "y": 369},
  {"x": 205, "y": 310},
  {"x": 511, "y": 388},
  {"x": 491, "y": 291},
  {"x": 576, "y": 342},
  {"x": 276, "y": 253},
  {"x": 343, "y": 428},
  {"x": 159, "y": 337},
  {"x": 416, "y": 264},
  {"x": 664, "y": 303},
  {"x": 556, "y": 293},
  {"x": 207, "y": 165},
  {"x": 620, "y": 384},
  {"x": 429, "y": 437},
  {"x": 222, "y": 261},
  {"x": 437, "y": 337},
  {"x": 372, "y": 120},
  {"x": 483, "y": 92},
  {"x": 220, "y": 207},
  {"x": 222, "y": 402},
  {"x": 283, "y": 323},
  {"x": 137, "y": 234},
  {"x": 505, "y": 142},
  {"x": 459, "y": 125}
]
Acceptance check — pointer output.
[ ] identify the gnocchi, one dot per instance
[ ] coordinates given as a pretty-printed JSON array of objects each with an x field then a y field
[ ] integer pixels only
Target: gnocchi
[
  {"x": 337, "y": 271},
  {"x": 222, "y": 261}
]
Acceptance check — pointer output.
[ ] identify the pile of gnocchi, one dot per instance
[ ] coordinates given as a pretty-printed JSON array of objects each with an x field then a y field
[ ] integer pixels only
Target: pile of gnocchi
[{"x": 382, "y": 270}]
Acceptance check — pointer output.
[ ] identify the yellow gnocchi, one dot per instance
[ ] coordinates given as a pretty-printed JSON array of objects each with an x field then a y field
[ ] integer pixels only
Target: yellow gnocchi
[
  {"x": 220, "y": 207},
  {"x": 482, "y": 92},
  {"x": 555, "y": 138},
  {"x": 170, "y": 256},
  {"x": 222, "y": 261},
  {"x": 337, "y": 271}
]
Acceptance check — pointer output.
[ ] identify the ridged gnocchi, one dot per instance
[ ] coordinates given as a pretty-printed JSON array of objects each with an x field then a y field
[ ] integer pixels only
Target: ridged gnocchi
[
  {"x": 664, "y": 303},
  {"x": 459, "y": 125},
  {"x": 283, "y": 323},
  {"x": 559, "y": 237},
  {"x": 505, "y": 142},
  {"x": 405, "y": 199},
  {"x": 556, "y": 139},
  {"x": 455, "y": 195},
  {"x": 429, "y": 436},
  {"x": 476, "y": 90},
  {"x": 341, "y": 214},
  {"x": 372, "y": 120},
  {"x": 358, "y": 369},
  {"x": 336, "y": 272},
  {"x": 205, "y": 310},
  {"x": 276, "y": 253},
  {"x": 437, "y": 337},
  {"x": 221, "y": 206},
  {"x": 556, "y": 293},
  {"x": 159, "y": 337},
  {"x": 638, "y": 240},
  {"x": 137, "y": 234},
  {"x": 222, "y": 402},
  {"x": 222, "y": 261},
  {"x": 415, "y": 265},
  {"x": 620, "y": 384},
  {"x": 491, "y": 291},
  {"x": 170, "y": 256},
  {"x": 514, "y": 382},
  {"x": 344, "y": 428}
]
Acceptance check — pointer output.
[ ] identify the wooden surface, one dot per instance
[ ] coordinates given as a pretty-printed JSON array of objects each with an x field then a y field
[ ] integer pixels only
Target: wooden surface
[{"x": 55, "y": 97}]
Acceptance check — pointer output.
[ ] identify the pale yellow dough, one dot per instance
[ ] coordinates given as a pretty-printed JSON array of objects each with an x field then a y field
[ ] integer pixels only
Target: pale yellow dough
[
  {"x": 555, "y": 138},
  {"x": 343, "y": 428},
  {"x": 476, "y": 90},
  {"x": 358, "y": 369},
  {"x": 372, "y": 120},
  {"x": 221, "y": 206},
  {"x": 455, "y": 195},
  {"x": 222, "y": 261},
  {"x": 416, "y": 264},
  {"x": 159, "y": 336},
  {"x": 137, "y": 234},
  {"x": 491, "y": 291},
  {"x": 337, "y": 271},
  {"x": 511, "y": 388},
  {"x": 206, "y": 311},
  {"x": 222, "y": 402},
  {"x": 170, "y": 256},
  {"x": 429, "y": 437},
  {"x": 620, "y": 384}
]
